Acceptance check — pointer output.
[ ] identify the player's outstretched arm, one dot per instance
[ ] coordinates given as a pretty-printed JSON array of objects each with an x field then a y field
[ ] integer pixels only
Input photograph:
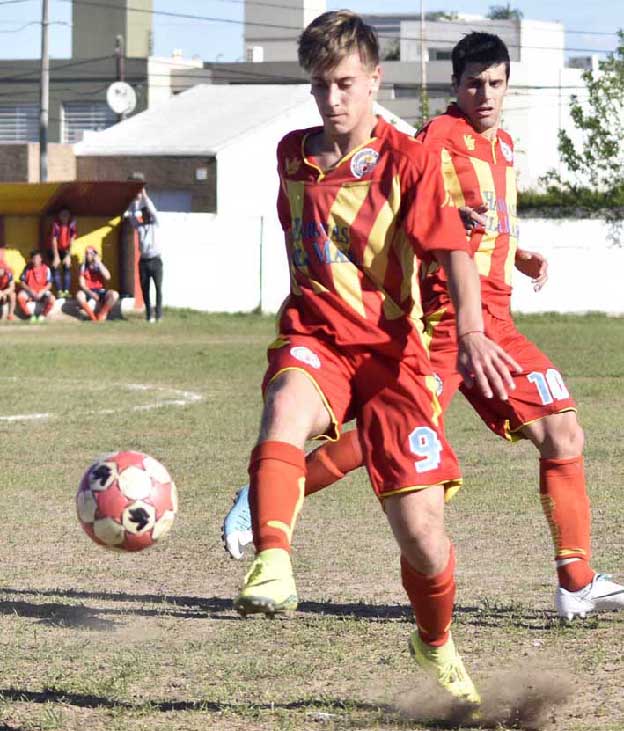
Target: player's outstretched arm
[
  {"x": 481, "y": 361},
  {"x": 533, "y": 264}
]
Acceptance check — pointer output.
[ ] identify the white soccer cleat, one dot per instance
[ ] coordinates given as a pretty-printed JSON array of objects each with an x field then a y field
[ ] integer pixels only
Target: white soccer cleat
[
  {"x": 236, "y": 532},
  {"x": 600, "y": 595}
]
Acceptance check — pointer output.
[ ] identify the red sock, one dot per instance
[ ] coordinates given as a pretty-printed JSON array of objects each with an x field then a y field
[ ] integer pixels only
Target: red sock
[
  {"x": 49, "y": 304},
  {"x": 277, "y": 477},
  {"x": 331, "y": 461},
  {"x": 432, "y": 599},
  {"x": 103, "y": 313},
  {"x": 566, "y": 507},
  {"x": 86, "y": 308}
]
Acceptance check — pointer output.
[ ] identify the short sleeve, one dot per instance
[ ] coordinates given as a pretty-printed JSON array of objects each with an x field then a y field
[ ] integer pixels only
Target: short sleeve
[
  {"x": 283, "y": 203},
  {"x": 431, "y": 221}
]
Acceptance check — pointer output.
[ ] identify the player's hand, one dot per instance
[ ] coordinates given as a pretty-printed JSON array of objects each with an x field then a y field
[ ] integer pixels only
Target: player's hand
[
  {"x": 474, "y": 219},
  {"x": 534, "y": 265},
  {"x": 484, "y": 364}
]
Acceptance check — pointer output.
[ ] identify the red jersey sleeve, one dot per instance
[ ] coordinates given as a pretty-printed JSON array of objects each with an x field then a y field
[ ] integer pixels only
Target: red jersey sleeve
[
  {"x": 283, "y": 204},
  {"x": 431, "y": 221}
]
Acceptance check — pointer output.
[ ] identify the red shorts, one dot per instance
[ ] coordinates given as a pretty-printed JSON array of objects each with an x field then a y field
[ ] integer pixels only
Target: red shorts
[
  {"x": 539, "y": 391},
  {"x": 399, "y": 418}
]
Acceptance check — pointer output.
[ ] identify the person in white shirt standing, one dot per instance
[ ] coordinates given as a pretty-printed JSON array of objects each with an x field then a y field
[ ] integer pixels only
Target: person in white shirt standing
[{"x": 143, "y": 217}]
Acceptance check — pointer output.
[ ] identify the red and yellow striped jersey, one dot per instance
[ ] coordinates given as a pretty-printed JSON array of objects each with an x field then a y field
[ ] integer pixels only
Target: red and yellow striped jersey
[
  {"x": 356, "y": 235},
  {"x": 477, "y": 172}
]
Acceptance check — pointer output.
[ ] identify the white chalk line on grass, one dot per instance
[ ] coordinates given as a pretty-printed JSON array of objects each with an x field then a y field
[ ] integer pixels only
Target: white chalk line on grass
[{"x": 178, "y": 398}]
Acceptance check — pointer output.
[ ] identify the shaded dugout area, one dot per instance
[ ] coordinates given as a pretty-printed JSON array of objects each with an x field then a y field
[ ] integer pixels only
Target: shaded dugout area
[{"x": 28, "y": 210}]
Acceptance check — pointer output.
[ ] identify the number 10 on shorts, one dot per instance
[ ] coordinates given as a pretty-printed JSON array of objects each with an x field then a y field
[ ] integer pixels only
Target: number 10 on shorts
[
  {"x": 550, "y": 386},
  {"x": 424, "y": 443}
]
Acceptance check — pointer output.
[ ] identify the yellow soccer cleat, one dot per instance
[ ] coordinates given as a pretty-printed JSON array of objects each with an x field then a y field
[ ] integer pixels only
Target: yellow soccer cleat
[
  {"x": 269, "y": 586},
  {"x": 445, "y": 665}
]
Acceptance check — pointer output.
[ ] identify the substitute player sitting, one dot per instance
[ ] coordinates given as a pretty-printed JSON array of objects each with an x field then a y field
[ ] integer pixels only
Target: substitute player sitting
[
  {"x": 35, "y": 297},
  {"x": 361, "y": 206},
  {"x": 477, "y": 160},
  {"x": 94, "y": 297},
  {"x": 7, "y": 290}
]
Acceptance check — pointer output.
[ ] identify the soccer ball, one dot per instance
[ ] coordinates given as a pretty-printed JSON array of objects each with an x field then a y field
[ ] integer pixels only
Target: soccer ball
[{"x": 126, "y": 501}]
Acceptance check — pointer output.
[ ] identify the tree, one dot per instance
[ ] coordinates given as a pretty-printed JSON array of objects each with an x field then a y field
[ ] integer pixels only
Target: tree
[
  {"x": 593, "y": 175},
  {"x": 504, "y": 12},
  {"x": 598, "y": 163}
]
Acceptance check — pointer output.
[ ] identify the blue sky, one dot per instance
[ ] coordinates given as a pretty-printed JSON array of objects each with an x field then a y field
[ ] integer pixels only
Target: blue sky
[{"x": 217, "y": 31}]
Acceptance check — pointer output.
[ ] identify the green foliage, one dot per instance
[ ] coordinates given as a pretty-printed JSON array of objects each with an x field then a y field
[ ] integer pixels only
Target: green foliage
[
  {"x": 504, "y": 12},
  {"x": 441, "y": 15},
  {"x": 392, "y": 52},
  {"x": 562, "y": 202},
  {"x": 595, "y": 168}
]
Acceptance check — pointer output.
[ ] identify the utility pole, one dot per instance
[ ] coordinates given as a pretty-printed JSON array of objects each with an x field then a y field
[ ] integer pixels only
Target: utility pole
[
  {"x": 120, "y": 66},
  {"x": 424, "y": 97},
  {"x": 44, "y": 95}
]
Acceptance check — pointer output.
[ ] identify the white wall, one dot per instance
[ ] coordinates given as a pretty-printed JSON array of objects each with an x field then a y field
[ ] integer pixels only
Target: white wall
[
  {"x": 212, "y": 263},
  {"x": 585, "y": 268}
]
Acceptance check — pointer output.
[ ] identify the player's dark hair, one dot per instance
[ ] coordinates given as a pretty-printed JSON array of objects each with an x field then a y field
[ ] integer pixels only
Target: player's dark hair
[
  {"x": 334, "y": 35},
  {"x": 34, "y": 252},
  {"x": 482, "y": 48}
]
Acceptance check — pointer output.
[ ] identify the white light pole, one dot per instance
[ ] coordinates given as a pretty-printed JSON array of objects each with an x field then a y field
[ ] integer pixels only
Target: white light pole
[
  {"x": 424, "y": 101},
  {"x": 44, "y": 94}
]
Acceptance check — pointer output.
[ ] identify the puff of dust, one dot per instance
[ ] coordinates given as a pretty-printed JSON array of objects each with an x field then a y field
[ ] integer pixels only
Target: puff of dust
[
  {"x": 513, "y": 699},
  {"x": 524, "y": 698}
]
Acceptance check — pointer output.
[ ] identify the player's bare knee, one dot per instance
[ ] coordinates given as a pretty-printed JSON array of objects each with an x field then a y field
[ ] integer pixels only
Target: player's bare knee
[
  {"x": 293, "y": 410},
  {"x": 426, "y": 552},
  {"x": 417, "y": 521},
  {"x": 559, "y": 436}
]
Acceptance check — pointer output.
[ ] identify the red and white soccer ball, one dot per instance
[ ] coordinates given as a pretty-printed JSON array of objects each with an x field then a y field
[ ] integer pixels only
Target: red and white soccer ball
[{"x": 126, "y": 501}]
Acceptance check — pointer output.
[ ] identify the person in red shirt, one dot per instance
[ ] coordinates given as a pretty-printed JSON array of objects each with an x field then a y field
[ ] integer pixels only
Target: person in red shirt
[
  {"x": 94, "y": 297},
  {"x": 363, "y": 209},
  {"x": 35, "y": 297},
  {"x": 477, "y": 161},
  {"x": 64, "y": 233},
  {"x": 7, "y": 289}
]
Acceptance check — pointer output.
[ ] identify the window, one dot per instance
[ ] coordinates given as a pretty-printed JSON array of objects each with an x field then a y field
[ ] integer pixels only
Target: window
[
  {"x": 78, "y": 117},
  {"x": 19, "y": 123}
]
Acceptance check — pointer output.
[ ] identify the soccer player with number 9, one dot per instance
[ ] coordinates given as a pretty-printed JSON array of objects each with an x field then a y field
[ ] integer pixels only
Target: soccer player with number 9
[{"x": 363, "y": 207}]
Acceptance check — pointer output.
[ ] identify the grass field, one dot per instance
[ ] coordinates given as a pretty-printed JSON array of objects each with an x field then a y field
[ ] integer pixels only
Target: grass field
[{"x": 96, "y": 640}]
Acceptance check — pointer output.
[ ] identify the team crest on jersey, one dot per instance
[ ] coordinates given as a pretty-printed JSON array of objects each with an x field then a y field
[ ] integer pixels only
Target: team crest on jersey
[
  {"x": 305, "y": 355},
  {"x": 469, "y": 141},
  {"x": 292, "y": 165},
  {"x": 363, "y": 162},
  {"x": 506, "y": 150},
  {"x": 439, "y": 385}
]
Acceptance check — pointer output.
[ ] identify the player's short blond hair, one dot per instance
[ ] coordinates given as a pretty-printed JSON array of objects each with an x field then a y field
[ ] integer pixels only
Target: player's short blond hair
[{"x": 334, "y": 35}]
